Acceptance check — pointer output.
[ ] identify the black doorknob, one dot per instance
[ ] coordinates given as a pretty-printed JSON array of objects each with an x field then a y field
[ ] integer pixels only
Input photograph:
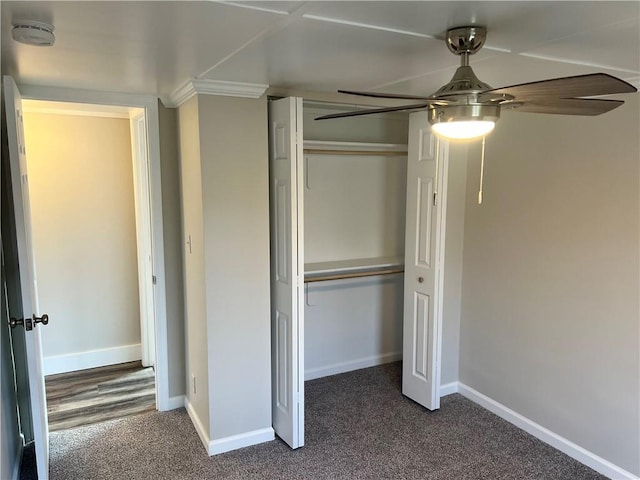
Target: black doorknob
[
  {"x": 44, "y": 319},
  {"x": 14, "y": 322}
]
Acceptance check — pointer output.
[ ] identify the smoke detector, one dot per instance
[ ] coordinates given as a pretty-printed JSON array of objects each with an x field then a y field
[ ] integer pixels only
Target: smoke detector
[{"x": 31, "y": 32}]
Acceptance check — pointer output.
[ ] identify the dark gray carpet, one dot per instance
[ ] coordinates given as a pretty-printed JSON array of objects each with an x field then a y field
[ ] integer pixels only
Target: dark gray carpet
[
  {"x": 28, "y": 463},
  {"x": 358, "y": 426}
]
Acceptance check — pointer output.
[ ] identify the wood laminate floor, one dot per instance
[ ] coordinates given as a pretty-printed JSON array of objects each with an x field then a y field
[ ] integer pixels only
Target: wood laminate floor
[{"x": 99, "y": 394}]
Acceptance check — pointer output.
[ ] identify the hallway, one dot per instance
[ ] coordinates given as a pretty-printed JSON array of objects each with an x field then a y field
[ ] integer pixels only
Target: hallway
[{"x": 91, "y": 396}]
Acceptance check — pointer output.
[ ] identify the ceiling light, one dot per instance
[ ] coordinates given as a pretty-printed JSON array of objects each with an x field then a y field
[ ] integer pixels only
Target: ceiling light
[
  {"x": 31, "y": 32},
  {"x": 463, "y": 122}
]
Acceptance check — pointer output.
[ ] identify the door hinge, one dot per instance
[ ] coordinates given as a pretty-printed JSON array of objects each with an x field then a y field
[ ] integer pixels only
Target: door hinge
[{"x": 154, "y": 279}]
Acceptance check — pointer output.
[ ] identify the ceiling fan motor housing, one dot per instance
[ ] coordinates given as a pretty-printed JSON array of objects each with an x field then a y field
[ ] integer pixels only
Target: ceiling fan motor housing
[
  {"x": 464, "y": 41},
  {"x": 463, "y": 81},
  {"x": 461, "y": 113}
]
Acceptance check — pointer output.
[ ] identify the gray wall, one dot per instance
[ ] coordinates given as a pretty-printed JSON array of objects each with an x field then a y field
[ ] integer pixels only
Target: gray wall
[
  {"x": 172, "y": 231},
  {"x": 193, "y": 262},
  {"x": 235, "y": 196},
  {"x": 456, "y": 197},
  {"x": 10, "y": 441},
  {"x": 550, "y": 303},
  {"x": 225, "y": 212}
]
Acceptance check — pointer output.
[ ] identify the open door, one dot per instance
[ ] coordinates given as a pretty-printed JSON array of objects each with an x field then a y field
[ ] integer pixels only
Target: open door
[
  {"x": 424, "y": 256},
  {"x": 144, "y": 236},
  {"x": 287, "y": 270},
  {"x": 32, "y": 321}
]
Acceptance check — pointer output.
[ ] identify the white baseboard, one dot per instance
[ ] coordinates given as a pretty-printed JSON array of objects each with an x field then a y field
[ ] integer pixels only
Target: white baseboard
[
  {"x": 178, "y": 401},
  {"x": 448, "y": 389},
  {"x": 582, "y": 455},
  {"x": 91, "y": 359},
  {"x": 242, "y": 440},
  {"x": 202, "y": 433},
  {"x": 343, "y": 367},
  {"x": 226, "y": 444}
]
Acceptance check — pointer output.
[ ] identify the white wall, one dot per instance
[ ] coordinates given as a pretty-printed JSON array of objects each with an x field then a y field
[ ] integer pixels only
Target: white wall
[
  {"x": 384, "y": 128},
  {"x": 172, "y": 234},
  {"x": 81, "y": 186},
  {"x": 351, "y": 324},
  {"x": 354, "y": 207},
  {"x": 550, "y": 312},
  {"x": 235, "y": 196}
]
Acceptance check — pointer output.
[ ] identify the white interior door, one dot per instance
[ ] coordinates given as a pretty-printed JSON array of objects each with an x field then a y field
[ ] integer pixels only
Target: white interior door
[
  {"x": 287, "y": 270},
  {"x": 20, "y": 187},
  {"x": 144, "y": 237},
  {"x": 424, "y": 255}
]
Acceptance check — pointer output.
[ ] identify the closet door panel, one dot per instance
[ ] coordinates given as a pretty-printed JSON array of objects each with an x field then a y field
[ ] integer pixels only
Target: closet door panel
[
  {"x": 424, "y": 253},
  {"x": 287, "y": 315}
]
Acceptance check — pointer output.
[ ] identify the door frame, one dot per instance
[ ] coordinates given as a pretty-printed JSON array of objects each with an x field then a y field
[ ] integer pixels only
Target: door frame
[{"x": 149, "y": 104}]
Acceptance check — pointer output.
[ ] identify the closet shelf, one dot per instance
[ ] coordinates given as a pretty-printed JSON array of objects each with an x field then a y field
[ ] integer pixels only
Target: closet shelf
[
  {"x": 353, "y": 268},
  {"x": 318, "y": 147}
]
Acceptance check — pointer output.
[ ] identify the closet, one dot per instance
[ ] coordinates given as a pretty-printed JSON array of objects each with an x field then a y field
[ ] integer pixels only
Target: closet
[
  {"x": 354, "y": 193},
  {"x": 346, "y": 206}
]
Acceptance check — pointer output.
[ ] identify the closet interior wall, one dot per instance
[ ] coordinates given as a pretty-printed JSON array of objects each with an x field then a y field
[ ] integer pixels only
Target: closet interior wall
[{"x": 354, "y": 211}]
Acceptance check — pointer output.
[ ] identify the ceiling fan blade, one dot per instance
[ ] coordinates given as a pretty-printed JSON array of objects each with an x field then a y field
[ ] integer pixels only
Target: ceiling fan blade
[
  {"x": 567, "y": 87},
  {"x": 374, "y": 110},
  {"x": 570, "y": 106},
  {"x": 385, "y": 95}
]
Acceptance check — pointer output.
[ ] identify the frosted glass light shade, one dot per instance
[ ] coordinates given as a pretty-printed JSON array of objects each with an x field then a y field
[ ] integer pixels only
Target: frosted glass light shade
[
  {"x": 463, "y": 122},
  {"x": 464, "y": 130}
]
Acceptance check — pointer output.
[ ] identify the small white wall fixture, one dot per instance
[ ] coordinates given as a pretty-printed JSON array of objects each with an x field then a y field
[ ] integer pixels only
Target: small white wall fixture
[{"x": 142, "y": 110}]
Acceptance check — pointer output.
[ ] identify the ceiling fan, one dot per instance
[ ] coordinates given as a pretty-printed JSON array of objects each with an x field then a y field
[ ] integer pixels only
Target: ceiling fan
[{"x": 468, "y": 108}]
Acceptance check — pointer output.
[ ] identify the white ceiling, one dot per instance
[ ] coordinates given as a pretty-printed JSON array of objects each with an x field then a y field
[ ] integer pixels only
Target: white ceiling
[{"x": 155, "y": 47}]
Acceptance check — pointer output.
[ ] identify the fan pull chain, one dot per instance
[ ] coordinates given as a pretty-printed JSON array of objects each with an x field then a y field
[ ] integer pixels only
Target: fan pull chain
[
  {"x": 435, "y": 187},
  {"x": 481, "y": 172}
]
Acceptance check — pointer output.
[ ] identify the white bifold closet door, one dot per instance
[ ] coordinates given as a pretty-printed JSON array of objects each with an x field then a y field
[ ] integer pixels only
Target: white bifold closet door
[
  {"x": 424, "y": 261},
  {"x": 287, "y": 269}
]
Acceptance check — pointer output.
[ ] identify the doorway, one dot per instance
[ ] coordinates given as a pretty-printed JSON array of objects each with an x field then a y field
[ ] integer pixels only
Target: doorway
[
  {"x": 91, "y": 218},
  {"x": 23, "y": 278}
]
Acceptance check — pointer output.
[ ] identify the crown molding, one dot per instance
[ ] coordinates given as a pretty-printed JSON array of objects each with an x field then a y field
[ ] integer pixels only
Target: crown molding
[{"x": 213, "y": 87}]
